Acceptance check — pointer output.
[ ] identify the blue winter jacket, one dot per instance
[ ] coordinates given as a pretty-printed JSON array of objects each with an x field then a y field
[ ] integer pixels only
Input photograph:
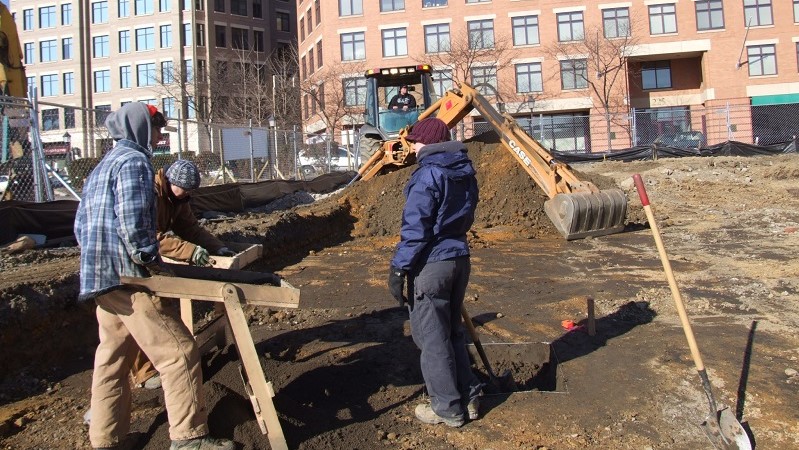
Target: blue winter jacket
[{"x": 441, "y": 197}]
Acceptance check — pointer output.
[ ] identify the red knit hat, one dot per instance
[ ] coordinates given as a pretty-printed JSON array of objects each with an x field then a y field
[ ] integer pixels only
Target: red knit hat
[{"x": 431, "y": 130}]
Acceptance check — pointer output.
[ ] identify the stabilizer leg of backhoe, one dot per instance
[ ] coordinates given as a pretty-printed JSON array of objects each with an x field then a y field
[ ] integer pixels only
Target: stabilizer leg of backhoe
[{"x": 582, "y": 214}]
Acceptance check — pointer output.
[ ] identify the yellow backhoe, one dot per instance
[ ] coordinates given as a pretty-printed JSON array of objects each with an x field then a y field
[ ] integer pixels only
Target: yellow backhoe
[{"x": 577, "y": 208}]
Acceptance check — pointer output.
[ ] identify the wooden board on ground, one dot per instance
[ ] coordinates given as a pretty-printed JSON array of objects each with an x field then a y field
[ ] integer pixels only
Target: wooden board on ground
[{"x": 245, "y": 255}]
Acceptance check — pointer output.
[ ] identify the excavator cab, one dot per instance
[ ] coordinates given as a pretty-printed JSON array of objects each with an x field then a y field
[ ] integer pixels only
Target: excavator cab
[{"x": 384, "y": 119}]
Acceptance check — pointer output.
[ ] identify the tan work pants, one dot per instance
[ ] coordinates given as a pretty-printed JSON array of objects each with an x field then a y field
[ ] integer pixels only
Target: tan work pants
[{"x": 129, "y": 320}]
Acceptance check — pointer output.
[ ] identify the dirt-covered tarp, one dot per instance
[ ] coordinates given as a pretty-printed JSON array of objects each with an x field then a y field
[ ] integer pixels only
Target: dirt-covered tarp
[
  {"x": 55, "y": 219},
  {"x": 653, "y": 152}
]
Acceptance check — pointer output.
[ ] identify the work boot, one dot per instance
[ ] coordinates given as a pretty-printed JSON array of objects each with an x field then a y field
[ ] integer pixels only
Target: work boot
[
  {"x": 425, "y": 413},
  {"x": 473, "y": 408},
  {"x": 153, "y": 382},
  {"x": 203, "y": 443}
]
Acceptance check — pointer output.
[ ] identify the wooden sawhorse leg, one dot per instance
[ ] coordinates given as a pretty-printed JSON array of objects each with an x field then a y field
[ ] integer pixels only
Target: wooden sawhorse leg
[{"x": 259, "y": 390}]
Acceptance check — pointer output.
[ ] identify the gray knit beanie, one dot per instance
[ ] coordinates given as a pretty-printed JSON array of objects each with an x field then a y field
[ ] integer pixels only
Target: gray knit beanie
[{"x": 183, "y": 174}]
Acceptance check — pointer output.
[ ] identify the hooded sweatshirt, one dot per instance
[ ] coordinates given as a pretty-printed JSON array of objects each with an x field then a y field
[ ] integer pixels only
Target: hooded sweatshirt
[
  {"x": 115, "y": 223},
  {"x": 441, "y": 198}
]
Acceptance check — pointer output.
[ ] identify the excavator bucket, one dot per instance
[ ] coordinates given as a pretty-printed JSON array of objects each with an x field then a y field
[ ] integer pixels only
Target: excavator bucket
[{"x": 582, "y": 214}]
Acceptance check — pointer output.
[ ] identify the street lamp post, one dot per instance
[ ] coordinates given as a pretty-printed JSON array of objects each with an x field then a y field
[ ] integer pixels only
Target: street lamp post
[
  {"x": 531, "y": 102},
  {"x": 271, "y": 154},
  {"x": 68, "y": 140}
]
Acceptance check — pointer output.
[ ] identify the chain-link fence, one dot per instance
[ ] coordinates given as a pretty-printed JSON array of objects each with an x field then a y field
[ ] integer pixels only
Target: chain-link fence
[{"x": 47, "y": 155}]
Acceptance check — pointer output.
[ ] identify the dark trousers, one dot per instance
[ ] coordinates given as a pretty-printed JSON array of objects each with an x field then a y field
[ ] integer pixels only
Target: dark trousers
[{"x": 437, "y": 329}]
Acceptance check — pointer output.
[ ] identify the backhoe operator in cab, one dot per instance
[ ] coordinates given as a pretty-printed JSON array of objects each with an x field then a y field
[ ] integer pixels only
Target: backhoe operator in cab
[{"x": 403, "y": 100}]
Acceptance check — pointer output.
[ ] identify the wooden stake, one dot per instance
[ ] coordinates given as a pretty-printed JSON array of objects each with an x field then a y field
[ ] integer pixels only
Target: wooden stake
[{"x": 591, "y": 319}]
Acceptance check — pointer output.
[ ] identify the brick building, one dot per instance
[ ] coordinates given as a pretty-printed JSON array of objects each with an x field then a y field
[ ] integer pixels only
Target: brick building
[{"x": 728, "y": 70}]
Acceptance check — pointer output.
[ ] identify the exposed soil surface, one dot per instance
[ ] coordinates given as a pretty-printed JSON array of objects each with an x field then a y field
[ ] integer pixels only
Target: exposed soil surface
[{"x": 346, "y": 372}]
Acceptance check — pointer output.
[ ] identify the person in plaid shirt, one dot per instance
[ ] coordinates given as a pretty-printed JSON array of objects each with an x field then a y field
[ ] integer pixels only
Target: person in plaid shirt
[{"x": 116, "y": 229}]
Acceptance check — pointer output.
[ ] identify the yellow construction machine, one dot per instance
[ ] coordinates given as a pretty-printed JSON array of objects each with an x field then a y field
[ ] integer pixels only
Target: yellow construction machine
[
  {"x": 12, "y": 72},
  {"x": 577, "y": 208}
]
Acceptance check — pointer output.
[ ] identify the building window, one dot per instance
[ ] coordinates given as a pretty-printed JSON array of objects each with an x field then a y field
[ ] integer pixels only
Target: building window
[
  {"x": 484, "y": 79},
  {"x": 190, "y": 108},
  {"x": 123, "y": 8},
  {"x": 656, "y": 75},
  {"x": 481, "y": 34},
  {"x": 221, "y": 35},
  {"x": 69, "y": 117},
  {"x": 762, "y": 60},
  {"x": 49, "y": 118},
  {"x": 303, "y": 68},
  {"x": 709, "y": 15},
  {"x": 145, "y": 74},
  {"x": 219, "y": 5},
  {"x": 317, "y": 11},
  {"x": 145, "y": 39},
  {"x": 167, "y": 72},
  {"x": 570, "y": 27},
  {"x": 257, "y": 9},
  {"x": 395, "y": 42},
  {"x": 662, "y": 19},
  {"x": 238, "y": 7},
  {"x": 796, "y": 11},
  {"x": 125, "y": 77},
  {"x": 302, "y": 29},
  {"x": 528, "y": 78},
  {"x": 525, "y": 30},
  {"x": 102, "y": 81},
  {"x": 200, "y": 35},
  {"x": 169, "y": 107},
  {"x": 573, "y": 74},
  {"x": 143, "y": 7},
  {"x": 240, "y": 38},
  {"x": 66, "y": 14},
  {"x": 436, "y": 38},
  {"x": 66, "y": 48},
  {"x": 258, "y": 40},
  {"x": 164, "y": 5},
  {"x": 188, "y": 70},
  {"x": 30, "y": 52},
  {"x": 309, "y": 20},
  {"x": 49, "y": 85},
  {"x": 757, "y": 13},
  {"x": 166, "y": 36},
  {"x": 47, "y": 17},
  {"x": 353, "y": 46},
  {"x": 27, "y": 19},
  {"x": 31, "y": 81},
  {"x": 202, "y": 71},
  {"x": 797, "y": 53},
  {"x": 124, "y": 41},
  {"x": 478, "y": 1},
  {"x": 101, "y": 113},
  {"x": 442, "y": 81},
  {"x": 319, "y": 60},
  {"x": 282, "y": 22},
  {"x": 100, "y": 12},
  {"x": 392, "y": 5},
  {"x": 186, "y": 35},
  {"x": 350, "y": 8},
  {"x": 433, "y": 3},
  {"x": 311, "y": 61},
  {"x": 354, "y": 91},
  {"x": 100, "y": 47},
  {"x": 616, "y": 22},
  {"x": 69, "y": 83},
  {"x": 48, "y": 50}
]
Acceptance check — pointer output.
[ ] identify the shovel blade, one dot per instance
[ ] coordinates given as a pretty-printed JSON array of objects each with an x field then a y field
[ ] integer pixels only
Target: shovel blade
[{"x": 725, "y": 432}]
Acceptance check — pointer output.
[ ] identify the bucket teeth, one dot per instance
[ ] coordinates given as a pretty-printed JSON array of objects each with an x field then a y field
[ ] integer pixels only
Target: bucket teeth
[{"x": 582, "y": 214}]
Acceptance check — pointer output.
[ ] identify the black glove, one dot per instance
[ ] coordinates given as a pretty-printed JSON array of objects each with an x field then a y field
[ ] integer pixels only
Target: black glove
[{"x": 396, "y": 285}]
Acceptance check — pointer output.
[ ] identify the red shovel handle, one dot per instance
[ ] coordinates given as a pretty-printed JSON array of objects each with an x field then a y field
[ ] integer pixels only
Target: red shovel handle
[{"x": 639, "y": 185}]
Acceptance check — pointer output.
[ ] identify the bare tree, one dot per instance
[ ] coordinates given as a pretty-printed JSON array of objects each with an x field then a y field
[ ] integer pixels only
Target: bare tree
[
  {"x": 282, "y": 65},
  {"x": 476, "y": 60},
  {"x": 601, "y": 63}
]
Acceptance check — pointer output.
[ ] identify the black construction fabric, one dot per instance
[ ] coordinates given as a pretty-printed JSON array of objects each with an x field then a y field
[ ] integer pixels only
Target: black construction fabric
[{"x": 52, "y": 219}]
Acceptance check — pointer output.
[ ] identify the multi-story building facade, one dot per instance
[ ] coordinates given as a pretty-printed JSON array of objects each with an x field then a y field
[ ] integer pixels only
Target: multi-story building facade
[
  {"x": 726, "y": 69},
  {"x": 93, "y": 56}
]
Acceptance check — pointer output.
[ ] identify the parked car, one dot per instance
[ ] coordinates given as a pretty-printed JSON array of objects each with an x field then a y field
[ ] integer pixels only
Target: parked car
[
  {"x": 682, "y": 139},
  {"x": 341, "y": 160}
]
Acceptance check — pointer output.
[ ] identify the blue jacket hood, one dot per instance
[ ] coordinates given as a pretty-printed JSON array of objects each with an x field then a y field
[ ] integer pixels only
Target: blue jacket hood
[{"x": 450, "y": 156}]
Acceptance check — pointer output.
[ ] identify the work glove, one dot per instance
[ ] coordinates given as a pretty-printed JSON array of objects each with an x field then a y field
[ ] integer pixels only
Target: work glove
[
  {"x": 396, "y": 285},
  {"x": 224, "y": 251},
  {"x": 200, "y": 257}
]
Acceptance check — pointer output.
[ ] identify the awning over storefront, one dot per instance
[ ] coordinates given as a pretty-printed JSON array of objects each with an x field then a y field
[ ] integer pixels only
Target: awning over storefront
[
  {"x": 55, "y": 148},
  {"x": 777, "y": 99}
]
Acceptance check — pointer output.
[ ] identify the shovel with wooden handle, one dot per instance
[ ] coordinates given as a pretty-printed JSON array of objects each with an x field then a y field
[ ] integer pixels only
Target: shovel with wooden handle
[
  {"x": 503, "y": 383},
  {"x": 721, "y": 427}
]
